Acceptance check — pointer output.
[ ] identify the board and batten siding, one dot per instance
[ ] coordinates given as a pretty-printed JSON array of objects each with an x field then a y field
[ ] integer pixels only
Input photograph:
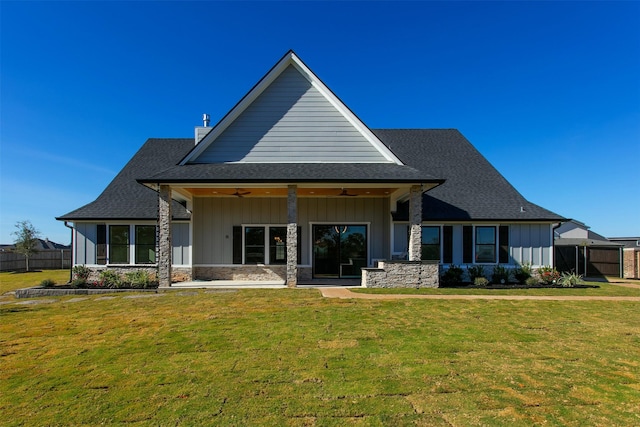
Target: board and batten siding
[
  {"x": 214, "y": 219},
  {"x": 85, "y": 246},
  {"x": 528, "y": 243},
  {"x": 291, "y": 121}
]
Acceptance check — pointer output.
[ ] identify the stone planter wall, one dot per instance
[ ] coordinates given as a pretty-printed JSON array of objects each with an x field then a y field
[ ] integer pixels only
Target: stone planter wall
[
  {"x": 242, "y": 272},
  {"x": 402, "y": 274},
  {"x": 178, "y": 274}
]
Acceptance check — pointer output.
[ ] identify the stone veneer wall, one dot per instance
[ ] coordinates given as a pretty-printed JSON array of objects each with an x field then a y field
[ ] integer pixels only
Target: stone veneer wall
[
  {"x": 242, "y": 272},
  {"x": 402, "y": 274},
  {"x": 178, "y": 274}
]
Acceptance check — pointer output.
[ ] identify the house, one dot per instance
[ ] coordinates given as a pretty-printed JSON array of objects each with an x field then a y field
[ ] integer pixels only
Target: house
[
  {"x": 630, "y": 256},
  {"x": 292, "y": 186},
  {"x": 583, "y": 251}
]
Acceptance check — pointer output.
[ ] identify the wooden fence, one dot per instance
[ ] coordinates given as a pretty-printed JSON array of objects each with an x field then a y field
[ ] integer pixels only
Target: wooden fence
[{"x": 50, "y": 259}]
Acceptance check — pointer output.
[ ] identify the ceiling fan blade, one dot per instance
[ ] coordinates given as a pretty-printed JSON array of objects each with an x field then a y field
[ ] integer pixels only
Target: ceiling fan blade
[{"x": 345, "y": 193}]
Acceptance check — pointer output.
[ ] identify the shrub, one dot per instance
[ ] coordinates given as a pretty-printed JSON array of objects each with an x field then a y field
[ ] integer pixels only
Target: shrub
[
  {"x": 531, "y": 281},
  {"x": 81, "y": 272},
  {"x": 452, "y": 276},
  {"x": 475, "y": 272},
  {"x": 79, "y": 283},
  {"x": 569, "y": 280},
  {"x": 47, "y": 283},
  {"x": 548, "y": 275},
  {"x": 522, "y": 273},
  {"x": 138, "y": 279},
  {"x": 110, "y": 279},
  {"x": 480, "y": 282},
  {"x": 500, "y": 274}
]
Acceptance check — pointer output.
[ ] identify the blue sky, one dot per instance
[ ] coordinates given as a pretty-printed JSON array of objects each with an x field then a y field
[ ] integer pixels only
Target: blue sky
[{"x": 549, "y": 92}]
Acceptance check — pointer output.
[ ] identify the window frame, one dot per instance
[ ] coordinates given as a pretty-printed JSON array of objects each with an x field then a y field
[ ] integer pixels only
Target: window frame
[
  {"x": 146, "y": 246},
  {"x": 438, "y": 228},
  {"x": 111, "y": 246},
  {"x": 267, "y": 246},
  {"x": 104, "y": 244},
  {"x": 477, "y": 246}
]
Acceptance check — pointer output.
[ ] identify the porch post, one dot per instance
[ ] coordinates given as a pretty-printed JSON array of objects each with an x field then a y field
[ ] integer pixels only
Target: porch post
[
  {"x": 164, "y": 236},
  {"x": 415, "y": 223},
  {"x": 292, "y": 236}
]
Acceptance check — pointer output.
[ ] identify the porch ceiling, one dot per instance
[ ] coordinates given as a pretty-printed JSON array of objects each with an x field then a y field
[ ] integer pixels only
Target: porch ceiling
[{"x": 282, "y": 192}]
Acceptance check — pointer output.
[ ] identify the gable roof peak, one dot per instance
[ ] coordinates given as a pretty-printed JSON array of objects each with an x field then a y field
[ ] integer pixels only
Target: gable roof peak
[{"x": 283, "y": 70}]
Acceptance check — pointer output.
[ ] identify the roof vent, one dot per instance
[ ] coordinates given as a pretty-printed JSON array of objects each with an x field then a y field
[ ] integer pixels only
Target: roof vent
[{"x": 522, "y": 209}]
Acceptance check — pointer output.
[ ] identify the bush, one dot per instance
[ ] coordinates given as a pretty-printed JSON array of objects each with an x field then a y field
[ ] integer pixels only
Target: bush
[
  {"x": 475, "y": 272},
  {"x": 138, "y": 279},
  {"x": 79, "y": 283},
  {"x": 47, "y": 283},
  {"x": 81, "y": 272},
  {"x": 569, "y": 280},
  {"x": 531, "y": 281},
  {"x": 522, "y": 273},
  {"x": 500, "y": 275},
  {"x": 452, "y": 276},
  {"x": 548, "y": 275},
  {"x": 110, "y": 279},
  {"x": 480, "y": 282}
]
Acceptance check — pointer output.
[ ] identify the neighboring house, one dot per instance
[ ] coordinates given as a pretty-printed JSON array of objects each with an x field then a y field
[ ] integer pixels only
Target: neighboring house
[
  {"x": 585, "y": 252},
  {"x": 41, "y": 245},
  {"x": 630, "y": 256},
  {"x": 292, "y": 186}
]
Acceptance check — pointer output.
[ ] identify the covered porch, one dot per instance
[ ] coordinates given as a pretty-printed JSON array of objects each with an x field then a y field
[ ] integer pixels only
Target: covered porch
[{"x": 286, "y": 234}]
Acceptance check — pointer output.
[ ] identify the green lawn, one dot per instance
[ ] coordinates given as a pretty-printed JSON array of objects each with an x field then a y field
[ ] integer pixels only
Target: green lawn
[
  {"x": 291, "y": 357},
  {"x": 10, "y": 281},
  {"x": 603, "y": 289}
]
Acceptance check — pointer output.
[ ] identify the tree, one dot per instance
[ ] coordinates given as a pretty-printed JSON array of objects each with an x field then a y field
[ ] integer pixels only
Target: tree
[{"x": 26, "y": 239}]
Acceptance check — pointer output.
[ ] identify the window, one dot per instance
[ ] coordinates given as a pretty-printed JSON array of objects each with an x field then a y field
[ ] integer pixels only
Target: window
[
  {"x": 119, "y": 244},
  {"x": 101, "y": 244},
  {"x": 145, "y": 244},
  {"x": 277, "y": 245},
  {"x": 431, "y": 243},
  {"x": 486, "y": 244},
  {"x": 254, "y": 245}
]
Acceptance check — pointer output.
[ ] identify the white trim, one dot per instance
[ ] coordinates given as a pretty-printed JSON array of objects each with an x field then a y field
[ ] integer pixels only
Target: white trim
[{"x": 289, "y": 59}]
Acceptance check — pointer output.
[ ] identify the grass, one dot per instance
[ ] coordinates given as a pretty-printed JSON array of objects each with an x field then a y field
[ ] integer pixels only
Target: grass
[
  {"x": 291, "y": 357},
  {"x": 10, "y": 281},
  {"x": 604, "y": 289}
]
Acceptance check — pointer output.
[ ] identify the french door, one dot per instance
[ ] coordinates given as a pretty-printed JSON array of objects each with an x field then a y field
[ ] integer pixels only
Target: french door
[{"x": 339, "y": 250}]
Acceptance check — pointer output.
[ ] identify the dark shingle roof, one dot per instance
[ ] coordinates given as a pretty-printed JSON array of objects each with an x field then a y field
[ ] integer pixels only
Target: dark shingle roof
[
  {"x": 291, "y": 172},
  {"x": 124, "y": 197},
  {"x": 473, "y": 189}
]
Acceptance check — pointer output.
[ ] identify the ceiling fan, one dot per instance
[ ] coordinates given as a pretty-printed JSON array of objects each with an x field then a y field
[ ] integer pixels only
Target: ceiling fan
[
  {"x": 240, "y": 194},
  {"x": 346, "y": 193}
]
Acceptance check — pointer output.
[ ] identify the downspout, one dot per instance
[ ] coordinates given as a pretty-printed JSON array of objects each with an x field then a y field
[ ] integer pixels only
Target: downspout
[
  {"x": 553, "y": 244},
  {"x": 66, "y": 224}
]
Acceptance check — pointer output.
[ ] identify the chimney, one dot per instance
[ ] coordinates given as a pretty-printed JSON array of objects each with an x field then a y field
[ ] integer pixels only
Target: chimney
[{"x": 201, "y": 132}]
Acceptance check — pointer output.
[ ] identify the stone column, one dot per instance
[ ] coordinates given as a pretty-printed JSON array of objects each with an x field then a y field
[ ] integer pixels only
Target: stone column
[
  {"x": 292, "y": 236},
  {"x": 164, "y": 236},
  {"x": 415, "y": 223}
]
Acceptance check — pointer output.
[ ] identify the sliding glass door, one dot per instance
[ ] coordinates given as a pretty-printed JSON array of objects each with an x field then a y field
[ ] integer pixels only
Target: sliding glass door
[{"x": 339, "y": 250}]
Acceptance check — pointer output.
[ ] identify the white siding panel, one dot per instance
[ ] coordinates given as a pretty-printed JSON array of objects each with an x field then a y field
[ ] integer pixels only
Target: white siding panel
[
  {"x": 291, "y": 122},
  {"x": 80, "y": 243},
  {"x": 531, "y": 243},
  {"x": 180, "y": 244}
]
